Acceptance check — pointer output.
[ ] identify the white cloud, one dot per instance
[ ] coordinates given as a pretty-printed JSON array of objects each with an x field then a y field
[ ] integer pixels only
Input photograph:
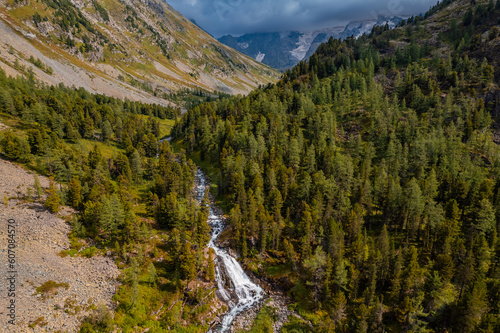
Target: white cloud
[{"x": 291, "y": 7}]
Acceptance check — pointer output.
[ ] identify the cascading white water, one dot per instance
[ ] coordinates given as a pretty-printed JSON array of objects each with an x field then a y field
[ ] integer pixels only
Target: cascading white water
[{"x": 247, "y": 292}]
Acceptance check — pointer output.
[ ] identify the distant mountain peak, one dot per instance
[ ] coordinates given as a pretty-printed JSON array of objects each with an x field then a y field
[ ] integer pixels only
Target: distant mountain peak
[{"x": 283, "y": 50}]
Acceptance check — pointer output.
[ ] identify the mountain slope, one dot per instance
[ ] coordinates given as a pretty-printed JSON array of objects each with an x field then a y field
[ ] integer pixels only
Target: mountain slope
[
  {"x": 285, "y": 50},
  {"x": 269, "y": 48},
  {"x": 136, "y": 49}
]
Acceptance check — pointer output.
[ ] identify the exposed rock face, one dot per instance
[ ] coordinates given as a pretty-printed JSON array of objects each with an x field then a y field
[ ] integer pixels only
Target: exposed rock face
[
  {"x": 45, "y": 28},
  {"x": 275, "y": 300},
  {"x": 40, "y": 237}
]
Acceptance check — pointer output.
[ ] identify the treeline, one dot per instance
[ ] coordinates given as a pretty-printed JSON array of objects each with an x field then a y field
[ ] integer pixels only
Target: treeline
[
  {"x": 132, "y": 195},
  {"x": 367, "y": 182}
]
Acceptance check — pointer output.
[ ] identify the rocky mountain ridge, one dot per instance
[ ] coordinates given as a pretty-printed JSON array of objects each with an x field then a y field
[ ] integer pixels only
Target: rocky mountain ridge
[{"x": 285, "y": 50}]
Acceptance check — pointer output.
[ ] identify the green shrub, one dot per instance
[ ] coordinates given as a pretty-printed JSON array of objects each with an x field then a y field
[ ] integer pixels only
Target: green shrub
[
  {"x": 89, "y": 252},
  {"x": 49, "y": 288}
]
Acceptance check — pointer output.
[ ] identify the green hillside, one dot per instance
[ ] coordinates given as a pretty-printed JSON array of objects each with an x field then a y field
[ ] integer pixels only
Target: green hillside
[
  {"x": 131, "y": 197},
  {"x": 366, "y": 181}
]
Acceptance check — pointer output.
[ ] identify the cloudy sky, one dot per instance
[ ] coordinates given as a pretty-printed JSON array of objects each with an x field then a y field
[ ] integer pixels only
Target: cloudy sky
[{"x": 220, "y": 17}]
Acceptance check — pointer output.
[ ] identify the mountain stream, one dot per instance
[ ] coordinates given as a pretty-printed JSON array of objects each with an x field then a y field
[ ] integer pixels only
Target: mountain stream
[{"x": 246, "y": 292}]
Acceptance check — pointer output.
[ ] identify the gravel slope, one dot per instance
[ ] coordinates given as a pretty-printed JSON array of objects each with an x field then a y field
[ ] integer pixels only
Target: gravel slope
[
  {"x": 40, "y": 237},
  {"x": 64, "y": 72}
]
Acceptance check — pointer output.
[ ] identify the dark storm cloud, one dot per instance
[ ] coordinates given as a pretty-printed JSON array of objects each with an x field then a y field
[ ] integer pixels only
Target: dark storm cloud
[{"x": 245, "y": 16}]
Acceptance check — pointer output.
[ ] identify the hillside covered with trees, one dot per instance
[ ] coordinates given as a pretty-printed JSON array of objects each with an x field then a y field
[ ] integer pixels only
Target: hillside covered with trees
[
  {"x": 132, "y": 196},
  {"x": 366, "y": 182}
]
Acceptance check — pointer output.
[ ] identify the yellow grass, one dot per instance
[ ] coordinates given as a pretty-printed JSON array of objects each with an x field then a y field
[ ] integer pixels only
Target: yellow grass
[{"x": 107, "y": 151}]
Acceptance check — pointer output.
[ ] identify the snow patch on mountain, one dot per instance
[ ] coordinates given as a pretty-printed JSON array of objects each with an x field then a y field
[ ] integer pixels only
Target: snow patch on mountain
[
  {"x": 260, "y": 57},
  {"x": 303, "y": 45},
  {"x": 243, "y": 45},
  {"x": 358, "y": 28}
]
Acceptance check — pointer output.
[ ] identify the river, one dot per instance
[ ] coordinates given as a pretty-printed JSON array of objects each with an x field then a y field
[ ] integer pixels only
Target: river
[{"x": 247, "y": 293}]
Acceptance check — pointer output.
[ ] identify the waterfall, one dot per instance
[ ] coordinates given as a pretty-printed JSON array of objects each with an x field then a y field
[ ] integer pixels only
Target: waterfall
[{"x": 248, "y": 293}]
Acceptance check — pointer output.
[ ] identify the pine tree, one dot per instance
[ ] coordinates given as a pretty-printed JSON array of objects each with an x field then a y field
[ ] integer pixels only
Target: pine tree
[
  {"x": 188, "y": 264},
  {"x": 14, "y": 147},
  {"x": 384, "y": 247},
  {"x": 118, "y": 211},
  {"x": 244, "y": 245},
  {"x": 316, "y": 264},
  {"x": 106, "y": 219},
  {"x": 75, "y": 193},
  {"x": 340, "y": 274},
  {"x": 6, "y": 102},
  {"x": 465, "y": 272},
  {"x": 306, "y": 232},
  {"x": 474, "y": 306},
  {"x": 396, "y": 277},
  {"x": 53, "y": 201},
  {"x": 294, "y": 154},
  {"x": 433, "y": 290},
  {"x": 136, "y": 165},
  {"x": 211, "y": 265},
  {"x": 152, "y": 274},
  {"x": 339, "y": 309},
  {"x": 117, "y": 248},
  {"x": 140, "y": 255},
  {"x": 412, "y": 273},
  {"x": 203, "y": 229},
  {"x": 414, "y": 206},
  {"x": 38, "y": 187},
  {"x": 404, "y": 311},
  {"x": 107, "y": 131},
  {"x": 167, "y": 213},
  {"x": 486, "y": 220}
]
